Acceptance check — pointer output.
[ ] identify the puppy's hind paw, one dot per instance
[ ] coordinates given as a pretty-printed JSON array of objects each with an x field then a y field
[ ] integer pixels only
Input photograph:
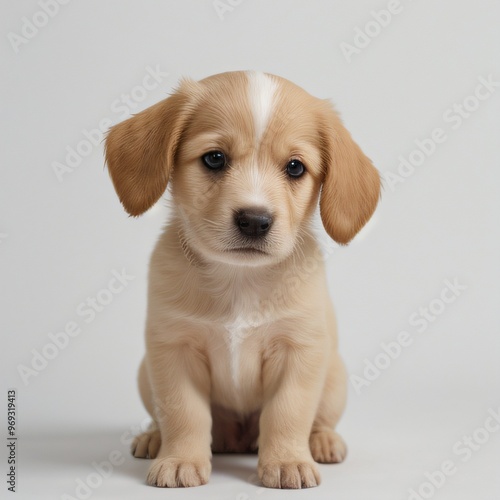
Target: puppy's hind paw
[
  {"x": 327, "y": 447},
  {"x": 147, "y": 444}
]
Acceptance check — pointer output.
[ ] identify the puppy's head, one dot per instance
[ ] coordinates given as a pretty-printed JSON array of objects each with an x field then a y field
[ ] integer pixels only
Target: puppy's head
[{"x": 246, "y": 154}]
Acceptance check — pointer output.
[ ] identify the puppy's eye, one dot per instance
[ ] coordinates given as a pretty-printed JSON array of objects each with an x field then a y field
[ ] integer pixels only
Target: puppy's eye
[
  {"x": 295, "y": 168},
  {"x": 214, "y": 160}
]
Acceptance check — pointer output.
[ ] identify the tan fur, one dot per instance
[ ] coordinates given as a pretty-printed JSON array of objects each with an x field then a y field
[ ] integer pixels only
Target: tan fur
[{"x": 241, "y": 348}]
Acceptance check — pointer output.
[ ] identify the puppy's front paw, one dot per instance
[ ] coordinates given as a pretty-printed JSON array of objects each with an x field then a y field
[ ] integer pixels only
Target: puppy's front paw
[
  {"x": 290, "y": 475},
  {"x": 327, "y": 447},
  {"x": 174, "y": 472}
]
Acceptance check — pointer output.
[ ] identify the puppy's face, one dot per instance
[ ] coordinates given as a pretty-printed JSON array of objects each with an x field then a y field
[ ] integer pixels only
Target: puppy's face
[
  {"x": 247, "y": 154},
  {"x": 248, "y": 168}
]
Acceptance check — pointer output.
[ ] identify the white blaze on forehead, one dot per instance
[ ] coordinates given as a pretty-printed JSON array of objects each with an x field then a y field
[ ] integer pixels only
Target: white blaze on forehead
[
  {"x": 261, "y": 94},
  {"x": 261, "y": 91}
]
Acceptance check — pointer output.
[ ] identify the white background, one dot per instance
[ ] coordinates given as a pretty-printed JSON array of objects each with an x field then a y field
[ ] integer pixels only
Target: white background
[{"x": 61, "y": 240}]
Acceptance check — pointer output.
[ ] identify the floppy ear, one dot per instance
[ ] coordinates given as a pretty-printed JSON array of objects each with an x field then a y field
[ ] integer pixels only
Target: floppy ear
[
  {"x": 351, "y": 186},
  {"x": 140, "y": 152}
]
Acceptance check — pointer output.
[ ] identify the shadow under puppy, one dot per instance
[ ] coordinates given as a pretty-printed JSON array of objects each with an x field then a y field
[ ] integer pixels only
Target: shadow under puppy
[{"x": 241, "y": 342}]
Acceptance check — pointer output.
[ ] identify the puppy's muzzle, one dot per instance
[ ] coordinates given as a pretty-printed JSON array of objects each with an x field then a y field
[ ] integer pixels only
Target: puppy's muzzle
[{"x": 253, "y": 222}]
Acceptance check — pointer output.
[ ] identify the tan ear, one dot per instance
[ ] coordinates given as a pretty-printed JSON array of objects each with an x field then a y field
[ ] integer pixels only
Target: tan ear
[
  {"x": 351, "y": 187},
  {"x": 140, "y": 152}
]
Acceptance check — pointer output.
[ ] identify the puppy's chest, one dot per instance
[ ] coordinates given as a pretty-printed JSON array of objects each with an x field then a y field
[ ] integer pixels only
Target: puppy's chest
[
  {"x": 249, "y": 317},
  {"x": 238, "y": 342},
  {"x": 235, "y": 358}
]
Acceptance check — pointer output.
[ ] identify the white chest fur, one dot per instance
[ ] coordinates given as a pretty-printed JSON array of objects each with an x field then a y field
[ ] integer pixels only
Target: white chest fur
[{"x": 237, "y": 332}]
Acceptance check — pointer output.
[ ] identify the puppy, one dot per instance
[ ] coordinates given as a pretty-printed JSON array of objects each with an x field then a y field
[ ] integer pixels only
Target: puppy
[{"x": 241, "y": 342}]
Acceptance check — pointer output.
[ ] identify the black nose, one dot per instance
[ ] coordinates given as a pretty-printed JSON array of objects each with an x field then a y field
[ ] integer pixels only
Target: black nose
[{"x": 253, "y": 222}]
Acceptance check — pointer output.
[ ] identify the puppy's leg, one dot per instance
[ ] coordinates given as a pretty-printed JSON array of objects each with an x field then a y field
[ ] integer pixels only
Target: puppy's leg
[
  {"x": 147, "y": 444},
  {"x": 180, "y": 382},
  {"x": 293, "y": 377},
  {"x": 327, "y": 446}
]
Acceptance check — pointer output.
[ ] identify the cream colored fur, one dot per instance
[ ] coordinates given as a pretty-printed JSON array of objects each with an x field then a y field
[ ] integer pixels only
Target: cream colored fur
[{"x": 241, "y": 346}]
